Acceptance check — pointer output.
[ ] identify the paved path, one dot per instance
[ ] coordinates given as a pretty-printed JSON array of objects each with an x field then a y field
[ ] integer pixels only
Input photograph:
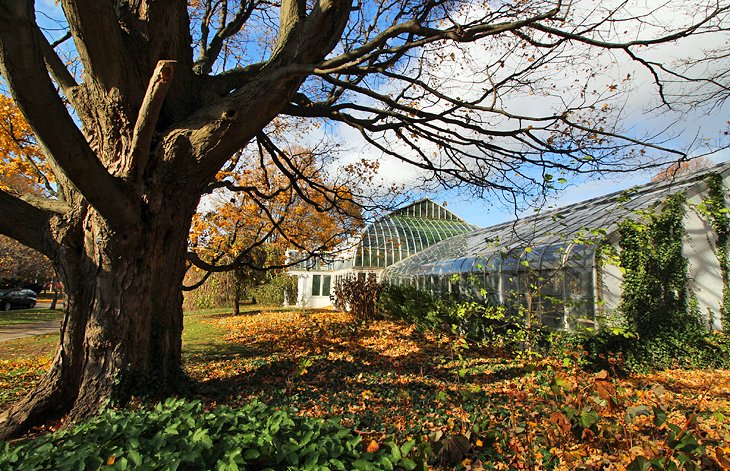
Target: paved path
[
  {"x": 47, "y": 304},
  {"x": 10, "y": 332}
]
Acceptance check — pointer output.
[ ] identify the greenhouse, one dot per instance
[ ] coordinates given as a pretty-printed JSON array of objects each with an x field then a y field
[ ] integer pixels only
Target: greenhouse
[
  {"x": 391, "y": 239},
  {"x": 550, "y": 264}
]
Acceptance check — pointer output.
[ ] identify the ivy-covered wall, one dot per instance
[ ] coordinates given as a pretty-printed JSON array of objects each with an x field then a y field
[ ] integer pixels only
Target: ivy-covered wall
[
  {"x": 655, "y": 298},
  {"x": 672, "y": 271}
]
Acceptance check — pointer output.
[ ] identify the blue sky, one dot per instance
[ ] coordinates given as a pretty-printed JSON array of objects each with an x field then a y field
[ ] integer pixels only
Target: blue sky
[
  {"x": 485, "y": 212},
  {"x": 488, "y": 211}
]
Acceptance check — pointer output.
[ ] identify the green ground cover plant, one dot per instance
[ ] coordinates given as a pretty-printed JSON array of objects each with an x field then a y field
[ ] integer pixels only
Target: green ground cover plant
[{"x": 179, "y": 434}]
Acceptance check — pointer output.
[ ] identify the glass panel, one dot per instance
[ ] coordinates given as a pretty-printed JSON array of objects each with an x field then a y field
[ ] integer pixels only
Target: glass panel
[
  {"x": 443, "y": 286},
  {"x": 326, "y": 280},
  {"x": 551, "y": 283},
  {"x": 316, "y": 280},
  {"x": 552, "y": 316}
]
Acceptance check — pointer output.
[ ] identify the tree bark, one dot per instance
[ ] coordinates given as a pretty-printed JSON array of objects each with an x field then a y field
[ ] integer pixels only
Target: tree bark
[
  {"x": 122, "y": 326},
  {"x": 238, "y": 290}
]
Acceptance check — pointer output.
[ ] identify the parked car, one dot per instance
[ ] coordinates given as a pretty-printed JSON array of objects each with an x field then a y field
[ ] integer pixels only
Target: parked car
[{"x": 24, "y": 298}]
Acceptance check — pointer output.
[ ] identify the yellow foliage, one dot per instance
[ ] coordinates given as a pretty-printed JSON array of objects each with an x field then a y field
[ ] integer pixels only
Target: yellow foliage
[
  {"x": 22, "y": 163},
  {"x": 270, "y": 209}
]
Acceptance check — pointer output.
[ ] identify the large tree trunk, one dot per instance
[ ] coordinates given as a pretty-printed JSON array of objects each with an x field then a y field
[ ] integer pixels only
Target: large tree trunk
[
  {"x": 155, "y": 130},
  {"x": 121, "y": 333}
]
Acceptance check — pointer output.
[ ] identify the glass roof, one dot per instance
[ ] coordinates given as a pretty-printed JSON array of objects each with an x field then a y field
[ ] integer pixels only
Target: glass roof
[
  {"x": 566, "y": 236},
  {"x": 405, "y": 232}
]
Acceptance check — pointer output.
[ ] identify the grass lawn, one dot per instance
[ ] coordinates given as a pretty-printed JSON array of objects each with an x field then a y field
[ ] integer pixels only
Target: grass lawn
[
  {"x": 388, "y": 381},
  {"x": 27, "y": 316},
  {"x": 22, "y": 362}
]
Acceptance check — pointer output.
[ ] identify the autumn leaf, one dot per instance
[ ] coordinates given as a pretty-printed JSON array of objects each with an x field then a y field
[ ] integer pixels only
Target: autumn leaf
[
  {"x": 372, "y": 447},
  {"x": 561, "y": 420},
  {"x": 723, "y": 457}
]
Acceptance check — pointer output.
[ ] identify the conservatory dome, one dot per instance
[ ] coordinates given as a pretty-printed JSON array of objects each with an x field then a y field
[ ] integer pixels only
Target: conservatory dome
[{"x": 405, "y": 232}]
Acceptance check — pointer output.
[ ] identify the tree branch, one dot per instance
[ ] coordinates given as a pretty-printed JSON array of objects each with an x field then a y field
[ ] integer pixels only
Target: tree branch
[
  {"x": 45, "y": 204},
  {"x": 99, "y": 42},
  {"x": 25, "y": 223},
  {"x": 225, "y": 130},
  {"x": 148, "y": 115},
  {"x": 291, "y": 13},
  {"x": 23, "y": 67},
  {"x": 56, "y": 67},
  {"x": 204, "y": 64}
]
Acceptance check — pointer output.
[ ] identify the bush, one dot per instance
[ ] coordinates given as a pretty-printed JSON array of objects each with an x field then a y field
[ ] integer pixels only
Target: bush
[
  {"x": 626, "y": 352},
  {"x": 217, "y": 291},
  {"x": 179, "y": 434},
  {"x": 493, "y": 325},
  {"x": 358, "y": 295},
  {"x": 273, "y": 292}
]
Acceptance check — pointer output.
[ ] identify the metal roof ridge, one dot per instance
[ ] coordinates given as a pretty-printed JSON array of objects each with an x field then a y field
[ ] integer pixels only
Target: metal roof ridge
[{"x": 635, "y": 191}]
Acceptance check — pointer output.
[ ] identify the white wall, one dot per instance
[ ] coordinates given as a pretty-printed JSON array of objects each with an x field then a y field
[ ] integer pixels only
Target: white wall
[
  {"x": 608, "y": 291},
  {"x": 304, "y": 286},
  {"x": 704, "y": 267},
  {"x": 304, "y": 289}
]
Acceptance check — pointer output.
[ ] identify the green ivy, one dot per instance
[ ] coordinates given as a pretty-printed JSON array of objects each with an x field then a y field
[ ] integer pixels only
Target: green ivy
[
  {"x": 660, "y": 311},
  {"x": 655, "y": 298},
  {"x": 714, "y": 207},
  {"x": 494, "y": 325},
  {"x": 275, "y": 291}
]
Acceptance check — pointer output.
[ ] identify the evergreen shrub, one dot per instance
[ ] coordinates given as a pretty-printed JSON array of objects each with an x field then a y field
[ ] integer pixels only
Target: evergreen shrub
[
  {"x": 494, "y": 325},
  {"x": 275, "y": 291}
]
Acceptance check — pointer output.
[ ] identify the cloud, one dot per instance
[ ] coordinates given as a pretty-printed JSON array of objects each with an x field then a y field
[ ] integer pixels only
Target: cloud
[{"x": 573, "y": 76}]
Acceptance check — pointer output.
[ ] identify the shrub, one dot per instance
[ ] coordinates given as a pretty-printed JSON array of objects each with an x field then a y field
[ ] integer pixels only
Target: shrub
[
  {"x": 626, "y": 352},
  {"x": 276, "y": 290},
  {"x": 358, "y": 295},
  {"x": 179, "y": 434},
  {"x": 217, "y": 291},
  {"x": 495, "y": 325}
]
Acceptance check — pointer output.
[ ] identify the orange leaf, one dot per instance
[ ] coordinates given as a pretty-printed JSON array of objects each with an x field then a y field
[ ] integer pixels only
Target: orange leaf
[
  {"x": 602, "y": 375},
  {"x": 372, "y": 447},
  {"x": 561, "y": 420},
  {"x": 723, "y": 459}
]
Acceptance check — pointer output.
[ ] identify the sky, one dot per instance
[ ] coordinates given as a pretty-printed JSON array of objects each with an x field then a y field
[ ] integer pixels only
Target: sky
[
  {"x": 684, "y": 128},
  {"x": 490, "y": 210},
  {"x": 483, "y": 213}
]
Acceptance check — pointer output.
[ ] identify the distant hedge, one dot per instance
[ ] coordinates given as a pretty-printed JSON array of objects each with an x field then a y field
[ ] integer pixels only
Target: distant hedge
[{"x": 274, "y": 292}]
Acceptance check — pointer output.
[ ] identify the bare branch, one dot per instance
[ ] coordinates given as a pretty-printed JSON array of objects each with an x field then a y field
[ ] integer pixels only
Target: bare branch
[
  {"x": 56, "y": 66},
  {"x": 148, "y": 115},
  {"x": 23, "y": 67},
  {"x": 209, "y": 54},
  {"x": 105, "y": 61},
  {"x": 25, "y": 223}
]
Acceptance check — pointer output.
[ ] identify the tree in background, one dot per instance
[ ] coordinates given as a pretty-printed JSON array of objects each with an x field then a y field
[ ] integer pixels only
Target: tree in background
[
  {"x": 21, "y": 266},
  {"x": 681, "y": 167},
  {"x": 258, "y": 215},
  {"x": 499, "y": 97},
  {"x": 23, "y": 168},
  {"x": 23, "y": 171}
]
